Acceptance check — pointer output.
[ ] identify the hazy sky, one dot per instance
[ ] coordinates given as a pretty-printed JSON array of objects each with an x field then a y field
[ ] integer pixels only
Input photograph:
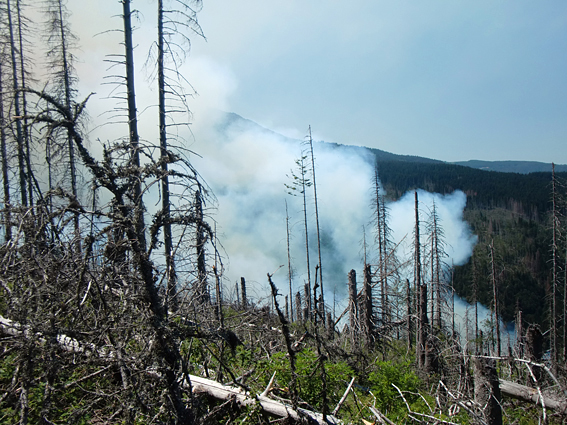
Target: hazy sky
[{"x": 451, "y": 80}]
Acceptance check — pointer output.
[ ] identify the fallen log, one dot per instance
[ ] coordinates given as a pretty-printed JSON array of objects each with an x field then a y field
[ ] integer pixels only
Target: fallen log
[
  {"x": 531, "y": 395},
  {"x": 273, "y": 407}
]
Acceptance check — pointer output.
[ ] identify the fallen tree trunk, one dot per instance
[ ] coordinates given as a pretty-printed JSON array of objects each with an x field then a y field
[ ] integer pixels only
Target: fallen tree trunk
[
  {"x": 273, "y": 407},
  {"x": 531, "y": 395},
  {"x": 197, "y": 384}
]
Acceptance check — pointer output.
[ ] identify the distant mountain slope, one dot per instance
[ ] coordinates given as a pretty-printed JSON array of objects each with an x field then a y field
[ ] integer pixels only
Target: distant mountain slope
[
  {"x": 518, "y": 185},
  {"x": 236, "y": 123},
  {"x": 522, "y": 167}
]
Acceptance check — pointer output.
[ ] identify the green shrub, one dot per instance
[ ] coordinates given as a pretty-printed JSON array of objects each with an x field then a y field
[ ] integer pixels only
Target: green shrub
[
  {"x": 309, "y": 376},
  {"x": 380, "y": 381}
]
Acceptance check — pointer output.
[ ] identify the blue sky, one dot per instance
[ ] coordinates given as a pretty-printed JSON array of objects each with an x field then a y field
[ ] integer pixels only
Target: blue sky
[{"x": 450, "y": 80}]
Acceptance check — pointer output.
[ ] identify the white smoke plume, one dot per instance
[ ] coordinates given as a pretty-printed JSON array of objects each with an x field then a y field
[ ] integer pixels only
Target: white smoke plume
[
  {"x": 248, "y": 166},
  {"x": 247, "y": 169},
  {"x": 459, "y": 241}
]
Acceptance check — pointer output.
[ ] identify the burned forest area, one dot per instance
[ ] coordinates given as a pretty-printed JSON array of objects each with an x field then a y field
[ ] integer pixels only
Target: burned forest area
[{"x": 115, "y": 307}]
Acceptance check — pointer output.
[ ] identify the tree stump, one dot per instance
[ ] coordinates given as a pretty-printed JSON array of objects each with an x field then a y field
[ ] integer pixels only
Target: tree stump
[{"x": 487, "y": 390}]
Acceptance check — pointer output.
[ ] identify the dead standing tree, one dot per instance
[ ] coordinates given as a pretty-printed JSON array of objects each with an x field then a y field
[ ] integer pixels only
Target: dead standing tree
[
  {"x": 495, "y": 297},
  {"x": 379, "y": 210},
  {"x": 310, "y": 140},
  {"x": 172, "y": 47},
  {"x": 437, "y": 253},
  {"x": 553, "y": 292},
  {"x": 367, "y": 311},
  {"x": 353, "y": 306},
  {"x": 421, "y": 334},
  {"x": 17, "y": 104},
  {"x": 60, "y": 147},
  {"x": 4, "y": 154},
  {"x": 298, "y": 187}
]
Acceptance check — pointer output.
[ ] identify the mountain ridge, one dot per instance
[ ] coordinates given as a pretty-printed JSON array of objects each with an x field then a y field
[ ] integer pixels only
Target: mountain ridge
[{"x": 234, "y": 120}]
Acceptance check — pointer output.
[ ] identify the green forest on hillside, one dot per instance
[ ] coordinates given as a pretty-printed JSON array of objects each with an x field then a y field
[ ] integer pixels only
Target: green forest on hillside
[{"x": 512, "y": 209}]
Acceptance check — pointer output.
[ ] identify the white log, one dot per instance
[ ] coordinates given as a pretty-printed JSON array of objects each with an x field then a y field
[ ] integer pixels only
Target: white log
[
  {"x": 273, "y": 407},
  {"x": 531, "y": 395}
]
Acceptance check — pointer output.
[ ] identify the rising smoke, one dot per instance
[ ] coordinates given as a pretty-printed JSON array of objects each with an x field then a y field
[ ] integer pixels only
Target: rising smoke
[{"x": 248, "y": 166}]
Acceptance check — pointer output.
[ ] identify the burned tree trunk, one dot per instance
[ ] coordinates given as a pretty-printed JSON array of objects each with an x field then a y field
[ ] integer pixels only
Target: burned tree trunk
[
  {"x": 408, "y": 310},
  {"x": 289, "y": 270},
  {"x": 307, "y": 308},
  {"x": 298, "y": 306},
  {"x": 4, "y": 159},
  {"x": 134, "y": 138},
  {"x": 422, "y": 320},
  {"x": 202, "y": 286},
  {"x": 487, "y": 390},
  {"x": 17, "y": 111},
  {"x": 366, "y": 310},
  {"x": 423, "y": 326},
  {"x": 330, "y": 326},
  {"x": 353, "y": 304},
  {"x": 495, "y": 299},
  {"x": 534, "y": 347},
  {"x": 243, "y": 291}
]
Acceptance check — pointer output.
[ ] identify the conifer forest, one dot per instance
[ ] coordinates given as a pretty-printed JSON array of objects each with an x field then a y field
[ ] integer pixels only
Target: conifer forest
[{"x": 115, "y": 307}]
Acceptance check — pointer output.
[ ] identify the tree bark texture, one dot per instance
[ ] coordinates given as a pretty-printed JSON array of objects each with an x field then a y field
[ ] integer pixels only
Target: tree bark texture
[
  {"x": 353, "y": 304},
  {"x": 487, "y": 390}
]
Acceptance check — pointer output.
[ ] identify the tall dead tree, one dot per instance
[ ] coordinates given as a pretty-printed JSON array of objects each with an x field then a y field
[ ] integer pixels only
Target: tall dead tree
[
  {"x": 422, "y": 321},
  {"x": 298, "y": 187},
  {"x": 166, "y": 210},
  {"x": 437, "y": 253},
  {"x": 317, "y": 222},
  {"x": 554, "y": 269},
  {"x": 61, "y": 61},
  {"x": 289, "y": 270},
  {"x": 172, "y": 45},
  {"x": 4, "y": 157},
  {"x": 379, "y": 221},
  {"x": 409, "y": 327},
  {"x": 20, "y": 143},
  {"x": 477, "y": 344},
  {"x": 495, "y": 304},
  {"x": 134, "y": 137},
  {"x": 24, "y": 72}
]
